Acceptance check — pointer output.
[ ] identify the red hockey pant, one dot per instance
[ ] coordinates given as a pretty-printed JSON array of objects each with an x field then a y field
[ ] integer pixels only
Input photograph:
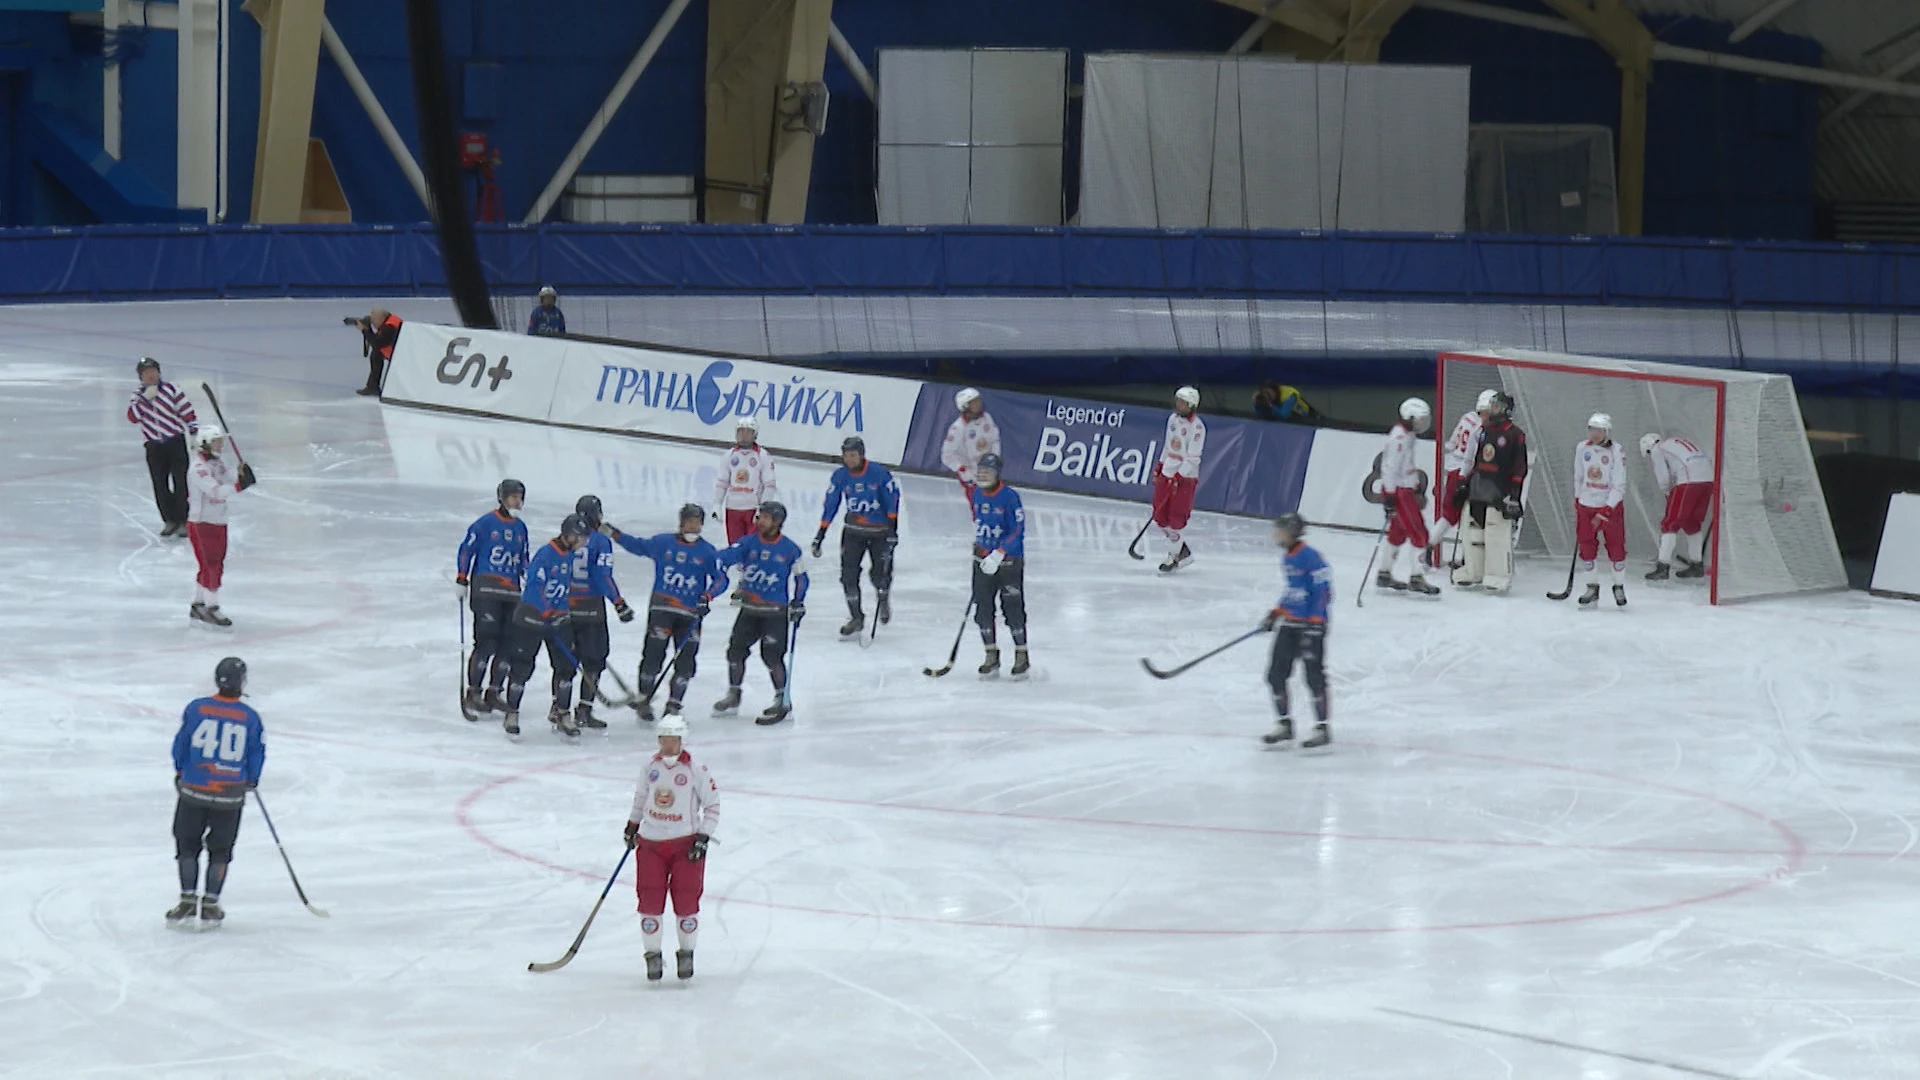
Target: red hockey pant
[
  {"x": 210, "y": 549},
  {"x": 1405, "y": 521},
  {"x": 1588, "y": 532},
  {"x": 660, "y": 868},
  {"x": 1686, "y": 508},
  {"x": 739, "y": 524},
  {"x": 1448, "y": 511},
  {"x": 1173, "y": 501}
]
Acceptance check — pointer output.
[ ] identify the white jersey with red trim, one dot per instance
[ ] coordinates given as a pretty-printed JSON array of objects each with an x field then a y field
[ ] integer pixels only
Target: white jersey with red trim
[
  {"x": 676, "y": 797},
  {"x": 968, "y": 440},
  {"x": 1186, "y": 440},
  {"x": 1460, "y": 443},
  {"x": 210, "y": 483},
  {"x": 1599, "y": 474},
  {"x": 1677, "y": 461},
  {"x": 746, "y": 478},
  {"x": 1398, "y": 470}
]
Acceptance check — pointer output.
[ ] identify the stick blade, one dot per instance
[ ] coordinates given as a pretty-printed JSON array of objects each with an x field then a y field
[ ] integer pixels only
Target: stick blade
[
  {"x": 553, "y": 966},
  {"x": 322, "y": 912},
  {"x": 934, "y": 673},
  {"x": 1156, "y": 672}
]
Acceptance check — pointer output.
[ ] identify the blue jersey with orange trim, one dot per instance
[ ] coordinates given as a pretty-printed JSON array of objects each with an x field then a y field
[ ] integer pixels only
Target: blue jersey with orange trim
[
  {"x": 218, "y": 752},
  {"x": 593, "y": 577},
  {"x": 494, "y": 553},
  {"x": 873, "y": 499},
  {"x": 1308, "y": 595},
  {"x": 684, "y": 575},
  {"x": 549, "y": 579},
  {"x": 769, "y": 567},
  {"x": 999, "y": 522}
]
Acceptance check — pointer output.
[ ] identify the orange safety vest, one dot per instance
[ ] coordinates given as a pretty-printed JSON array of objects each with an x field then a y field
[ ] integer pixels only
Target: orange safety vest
[{"x": 386, "y": 351}]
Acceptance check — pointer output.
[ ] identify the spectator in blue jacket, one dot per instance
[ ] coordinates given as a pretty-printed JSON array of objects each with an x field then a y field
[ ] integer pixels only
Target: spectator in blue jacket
[{"x": 546, "y": 320}]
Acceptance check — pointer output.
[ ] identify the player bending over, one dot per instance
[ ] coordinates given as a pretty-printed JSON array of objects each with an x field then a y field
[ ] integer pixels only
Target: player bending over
[
  {"x": 217, "y": 757},
  {"x": 769, "y": 563},
  {"x": 999, "y": 564},
  {"x": 675, "y": 808},
  {"x": 1599, "y": 507},
  {"x": 1685, "y": 473},
  {"x": 1301, "y": 620},
  {"x": 490, "y": 564},
  {"x": 540, "y": 618},
  {"x": 586, "y": 630},
  {"x": 1176, "y": 476},
  {"x": 871, "y": 529},
  {"x": 1400, "y": 490},
  {"x": 686, "y": 577}
]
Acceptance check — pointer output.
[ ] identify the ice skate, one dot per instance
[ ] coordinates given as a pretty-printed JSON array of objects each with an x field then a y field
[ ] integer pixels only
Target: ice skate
[
  {"x": 1021, "y": 665},
  {"x": 1660, "y": 572},
  {"x": 1619, "y": 596},
  {"x": 673, "y": 709},
  {"x": 774, "y": 713},
  {"x": 562, "y": 718},
  {"x": 1384, "y": 580},
  {"x": 730, "y": 703},
  {"x": 1281, "y": 735},
  {"x": 1591, "y": 596},
  {"x": 583, "y": 717},
  {"x": 511, "y": 721},
  {"x": 211, "y": 615},
  {"x": 1418, "y": 584},
  {"x": 644, "y": 709},
  {"x": 472, "y": 704},
  {"x": 1176, "y": 560},
  {"x": 683, "y": 960},
  {"x": 655, "y": 969},
  {"x": 1321, "y": 738},
  {"x": 991, "y": 665},
  {"x": 210, "y": 913},
  {"x": 1697, "y": 570},
  {"x": 883, "y": 609},
  {"x": 495, "y": 702},
  {"x": 187, "y": 908},
  {"x": 853, "y": 626}
]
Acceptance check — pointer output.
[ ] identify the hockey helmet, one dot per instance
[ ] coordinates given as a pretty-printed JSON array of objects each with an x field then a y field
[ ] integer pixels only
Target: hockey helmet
[
  {"x": 1501, "y": 403},
  {"x": 1486, "y": 400},
  {"x": 775, "y": 510},
  {"x": 1292, "y": 524},
  {"x": 1416, "y": 413},
  {"x": 748, "y": 424},
  {"x": 989, "y": 465},
  {"x": 854, "y": 442},
  {"x": 576, "y": 526},
  {"x": 589, "y": 507},
  {"x": 965, "y": 398},
  {"x": 548, "y": 290},
  {"x": 1648, "y": 442},
  {"x": 146, "y": 363},
  {"x": 692, "y": 512},
  {"x": 230, "y": 675},
  {"x": 208, "y": 434},
  {"x": 509, "y": 488},
  {"x": 671, "y": 727},
  {"x": 1600, "y": 420},
  {"x": 1189, "y": 395}
]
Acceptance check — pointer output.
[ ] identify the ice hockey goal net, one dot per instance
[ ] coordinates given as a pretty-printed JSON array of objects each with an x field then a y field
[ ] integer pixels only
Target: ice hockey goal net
[{"x": 1769, "y": 529}]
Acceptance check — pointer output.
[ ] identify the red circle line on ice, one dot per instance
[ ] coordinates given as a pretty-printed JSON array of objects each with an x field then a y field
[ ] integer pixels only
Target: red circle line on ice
[{"x": 1790, "y": 856}]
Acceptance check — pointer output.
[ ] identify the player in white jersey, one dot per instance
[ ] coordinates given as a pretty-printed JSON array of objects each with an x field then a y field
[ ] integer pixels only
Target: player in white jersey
[
  {"x": 1458, "y": 462},
  {"x": 1685, "y": 473},
  {"x": 1176, "y": 476},
  {"x": 1599, "y": 507},
  {"x": 972, "y": 436},
  {"x": 210, "y": 483},
  {"x": 745, "y": 480},
  {"x": 675, "y": 808},
  {"x": 1400, "y": 493}
]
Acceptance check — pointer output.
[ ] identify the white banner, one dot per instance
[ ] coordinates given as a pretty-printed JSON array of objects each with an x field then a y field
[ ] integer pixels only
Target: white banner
[
  {"x": 1340, "y": 475},
  {"x": 650, "y": 391},
  {"x": 1896, "y": 569}
]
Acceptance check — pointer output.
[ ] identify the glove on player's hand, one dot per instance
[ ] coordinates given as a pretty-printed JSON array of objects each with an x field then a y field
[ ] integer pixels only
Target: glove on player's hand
[
  {"x": 1512, "y": 509},
  {"x": 247, "y": 479},
  {"x": 796, "y": 611},
  {"x": 626, "y": 613},
  {"x": 698, "y": 849},
  {"x": 631, "y": 832}
]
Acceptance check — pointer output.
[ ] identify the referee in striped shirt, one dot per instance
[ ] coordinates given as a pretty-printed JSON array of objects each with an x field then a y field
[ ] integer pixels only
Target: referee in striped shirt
[{"x": 165, "y": 417}]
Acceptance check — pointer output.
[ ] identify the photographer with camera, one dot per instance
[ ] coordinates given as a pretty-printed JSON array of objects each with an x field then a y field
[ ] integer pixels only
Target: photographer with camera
[{"x": 379, "y": 330}]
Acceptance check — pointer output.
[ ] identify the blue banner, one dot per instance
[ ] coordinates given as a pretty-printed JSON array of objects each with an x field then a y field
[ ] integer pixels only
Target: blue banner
[{"x": 1100, "y": 448}]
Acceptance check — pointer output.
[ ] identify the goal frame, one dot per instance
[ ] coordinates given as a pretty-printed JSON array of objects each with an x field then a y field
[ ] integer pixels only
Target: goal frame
[{"x": 1719, "y": 426}]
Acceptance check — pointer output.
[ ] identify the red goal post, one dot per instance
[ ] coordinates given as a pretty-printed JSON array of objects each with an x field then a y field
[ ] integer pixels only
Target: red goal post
[{"x": 1768, "y": 530}]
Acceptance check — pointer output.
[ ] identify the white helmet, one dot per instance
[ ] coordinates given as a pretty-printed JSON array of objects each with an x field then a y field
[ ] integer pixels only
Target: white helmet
[
  {"x": 547, "y": 290},
  {"x": 1600, "y": 420},
  {"x": 965, "y": 398},
  {"x": 747, "y": 423},
  {"x": 1189, "y": 395},
  {"x": 1415, "y": 410},
  {"x": 1648, "y": 442},
  {"x": 209, "y": 432},
  {"x": 671, "y": 725},
  {"x": 1486, "y": 400}
]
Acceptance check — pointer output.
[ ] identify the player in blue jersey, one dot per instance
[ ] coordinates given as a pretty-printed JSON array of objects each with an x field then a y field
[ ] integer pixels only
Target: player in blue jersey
[
  {"x": 999, "y": 563},
  {"x": 686, "y": 577},
  {"x": 217, "y": 757},
  {"x": 1301, "y": 619},
  {"x": 586, "y": 632},
  {"x": 871, "y": 529},
  {"x": 489, "y": 566},
  {"x": 539, "y": 619},
  {"x": 769, "y": 562}
]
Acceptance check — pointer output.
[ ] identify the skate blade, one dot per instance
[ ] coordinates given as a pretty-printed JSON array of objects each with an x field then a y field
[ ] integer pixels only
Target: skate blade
[
  {"x": 1283, "y": 744},
  {"x": 1316, "y": 751}
]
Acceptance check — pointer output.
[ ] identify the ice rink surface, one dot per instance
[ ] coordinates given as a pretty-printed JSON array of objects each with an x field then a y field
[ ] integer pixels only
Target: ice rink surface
[{"x": 1665, "y": 841}]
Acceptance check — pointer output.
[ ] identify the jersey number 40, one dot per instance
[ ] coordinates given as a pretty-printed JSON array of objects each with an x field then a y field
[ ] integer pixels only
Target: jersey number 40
[{"x": 222, "y": 741}]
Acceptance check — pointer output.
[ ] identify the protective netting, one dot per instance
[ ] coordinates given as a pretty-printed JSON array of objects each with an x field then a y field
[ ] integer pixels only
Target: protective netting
[
  {"x": 1774, "y": 533},
  {"x": 1541, "y": 179}
]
